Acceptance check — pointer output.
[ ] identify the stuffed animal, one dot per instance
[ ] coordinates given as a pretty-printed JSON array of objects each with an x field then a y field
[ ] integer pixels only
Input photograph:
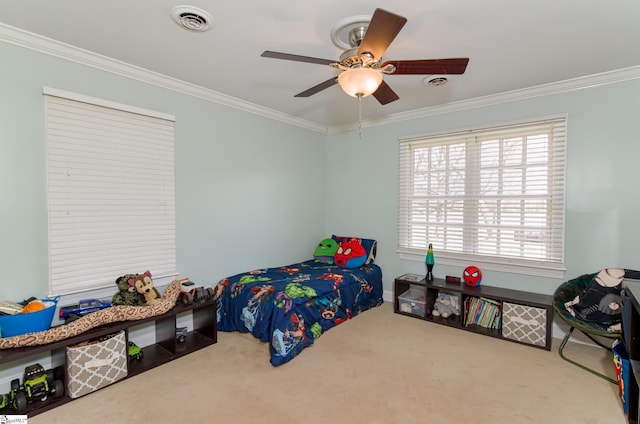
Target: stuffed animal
[
  {"x": 326, "y": 251},
  {"x": 445, "y": 306},
  {"x": 144, "y": 285},
  {"x": 127, "y": 294},
  {"x": 350, "y": 254}
]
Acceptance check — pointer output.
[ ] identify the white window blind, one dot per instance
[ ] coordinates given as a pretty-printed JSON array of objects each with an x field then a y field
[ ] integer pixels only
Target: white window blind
[
  {"x": 111, "y": 199},
  {"x": 494, "y": 195}
]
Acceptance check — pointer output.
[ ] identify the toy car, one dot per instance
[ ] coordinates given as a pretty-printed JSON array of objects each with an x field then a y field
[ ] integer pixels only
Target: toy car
[
  {"x": 15, "y": 399},
  {"x": 190, "y": 293},
  {"x": 4, "y": 401},
  {"x": 181, "y": 334},
  {"x": 18, "y": 395},
  {"x": 134, "y": 352},
  {"x": 38, "y": 384},
  {"x": 84, "y": 307}
]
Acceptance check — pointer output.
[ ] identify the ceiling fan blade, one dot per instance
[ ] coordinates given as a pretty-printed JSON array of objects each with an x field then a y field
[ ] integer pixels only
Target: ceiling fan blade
[
  {"x": 382, "y": 30},
  {"x": 295, "y": 57},
  {"x": 315, "y": 89},
  {"x": 429, "y": 66},
  {"x": 384, "y": 94}
]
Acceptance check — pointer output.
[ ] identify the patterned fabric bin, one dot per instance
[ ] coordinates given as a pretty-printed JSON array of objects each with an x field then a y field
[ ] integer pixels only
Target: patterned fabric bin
[
  {"x": 525, "y": 324},
  {"x": 94, "y": 366}
]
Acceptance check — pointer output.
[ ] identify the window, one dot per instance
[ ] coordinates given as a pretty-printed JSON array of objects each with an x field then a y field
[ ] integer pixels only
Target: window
[
  {"x": 493, "y": 196},
  {"x": 110, "y": 188}
]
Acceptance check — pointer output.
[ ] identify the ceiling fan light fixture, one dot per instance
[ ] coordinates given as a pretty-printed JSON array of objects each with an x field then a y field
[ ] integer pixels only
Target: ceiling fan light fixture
[{"x": 360, "y": 82}]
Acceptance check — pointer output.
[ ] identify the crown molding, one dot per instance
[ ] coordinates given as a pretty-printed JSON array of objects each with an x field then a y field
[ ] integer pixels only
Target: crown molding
[
  {"x": 29, "y": 40},
  {"x": 574, "y": 84},
  {"x": 65, "y": 51}
]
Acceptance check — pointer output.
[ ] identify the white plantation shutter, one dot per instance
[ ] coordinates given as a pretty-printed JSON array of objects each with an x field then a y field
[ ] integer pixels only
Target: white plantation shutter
[
  {"x": 493, "y": 195},
  {"x": 111, "y": 200}
]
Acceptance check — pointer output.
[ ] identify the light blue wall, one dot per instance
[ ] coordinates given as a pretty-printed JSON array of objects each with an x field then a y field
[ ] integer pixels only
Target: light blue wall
[
  {"x": 249, "y": 190},
  {"x": 603, "y": 193}
]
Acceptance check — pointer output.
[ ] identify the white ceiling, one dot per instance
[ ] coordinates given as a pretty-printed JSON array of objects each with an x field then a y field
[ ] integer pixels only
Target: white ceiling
[{"x": 511, "y": 45}]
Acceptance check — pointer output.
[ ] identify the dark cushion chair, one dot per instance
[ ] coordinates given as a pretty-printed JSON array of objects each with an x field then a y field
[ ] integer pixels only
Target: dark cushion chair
[{"x": 566, "y": 292}]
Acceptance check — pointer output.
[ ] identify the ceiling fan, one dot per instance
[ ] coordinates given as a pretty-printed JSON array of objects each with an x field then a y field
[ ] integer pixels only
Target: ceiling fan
[{"x": 362, "y": 67}]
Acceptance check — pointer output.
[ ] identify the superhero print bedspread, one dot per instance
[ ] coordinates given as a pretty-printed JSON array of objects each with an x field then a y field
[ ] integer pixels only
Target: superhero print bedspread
[{"x": 292, "y": 306}]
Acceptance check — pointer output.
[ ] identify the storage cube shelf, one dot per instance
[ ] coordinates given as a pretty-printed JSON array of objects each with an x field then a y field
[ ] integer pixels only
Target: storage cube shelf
[
  {"x": 511, "y": 315},
  {"x": 166, "y": 348}
]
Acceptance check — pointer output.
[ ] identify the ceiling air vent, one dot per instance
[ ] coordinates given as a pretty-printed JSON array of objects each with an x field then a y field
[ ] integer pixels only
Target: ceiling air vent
[
  {"x": 435, "y": 81},
  {"x": 191, "y": 18}
]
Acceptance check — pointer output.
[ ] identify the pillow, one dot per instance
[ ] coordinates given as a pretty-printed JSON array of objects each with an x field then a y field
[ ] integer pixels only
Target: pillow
[
  {"x": 325, "y": 251},
  {"x": 600, "y": 303},
  {"x": 370, "y": 250}
]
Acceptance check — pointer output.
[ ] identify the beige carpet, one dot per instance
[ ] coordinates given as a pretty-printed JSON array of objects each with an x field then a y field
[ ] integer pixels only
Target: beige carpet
[{"x": 379, "y": 367}]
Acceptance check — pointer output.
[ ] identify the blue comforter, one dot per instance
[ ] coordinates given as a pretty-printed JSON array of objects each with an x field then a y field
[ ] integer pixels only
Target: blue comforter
[{"x": 291, "y": 306}]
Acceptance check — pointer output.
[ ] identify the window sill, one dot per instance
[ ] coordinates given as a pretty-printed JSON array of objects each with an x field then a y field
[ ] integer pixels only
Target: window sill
[{"x": 508, "y": 266}]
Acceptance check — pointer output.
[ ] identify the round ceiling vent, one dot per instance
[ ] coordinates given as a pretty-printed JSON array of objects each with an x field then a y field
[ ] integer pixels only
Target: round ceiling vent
[
  {"x": 192, "y": 18},
  {"x": 435, "y": 81}
]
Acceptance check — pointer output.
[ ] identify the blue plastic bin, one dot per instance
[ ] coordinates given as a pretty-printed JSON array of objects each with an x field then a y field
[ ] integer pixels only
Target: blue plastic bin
[{"x": 14, "y": 325}]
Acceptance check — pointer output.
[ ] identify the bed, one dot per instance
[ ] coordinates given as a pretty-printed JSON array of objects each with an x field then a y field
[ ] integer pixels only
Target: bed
[{"x": 291, "y": 306}]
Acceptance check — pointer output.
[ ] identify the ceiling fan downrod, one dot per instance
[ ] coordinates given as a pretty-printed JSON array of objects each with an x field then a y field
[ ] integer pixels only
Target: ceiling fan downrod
[{"x": 357, "y": 35}]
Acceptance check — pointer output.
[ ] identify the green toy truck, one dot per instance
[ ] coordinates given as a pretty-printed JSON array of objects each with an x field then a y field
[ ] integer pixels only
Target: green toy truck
[
  {"x": 15, "y": 399},
  {"x": 38, "y": 384},
  {"x": 134, "y": 352}
]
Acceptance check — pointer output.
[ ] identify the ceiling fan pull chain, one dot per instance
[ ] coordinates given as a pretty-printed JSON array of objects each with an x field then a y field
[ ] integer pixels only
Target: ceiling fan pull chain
[{"x": 360, "y": 116}]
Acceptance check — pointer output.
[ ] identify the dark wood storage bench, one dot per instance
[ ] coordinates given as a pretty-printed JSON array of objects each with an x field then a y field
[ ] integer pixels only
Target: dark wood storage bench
[
  {"x": 166, "y": 348},
  {"x": 520, "y": 317}
]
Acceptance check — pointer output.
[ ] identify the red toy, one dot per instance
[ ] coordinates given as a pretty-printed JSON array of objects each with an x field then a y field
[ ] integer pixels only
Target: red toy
[
  {"x": 350, "y": 253},
  {"x": 472, "y": 276}
]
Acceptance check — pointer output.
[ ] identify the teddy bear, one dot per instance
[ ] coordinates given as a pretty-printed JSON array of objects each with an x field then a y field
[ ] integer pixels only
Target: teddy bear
[
  {"x": 127, "y": 294},
  {"x": 144, "y": 286},
  {"x": 445, "y": 306}
]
